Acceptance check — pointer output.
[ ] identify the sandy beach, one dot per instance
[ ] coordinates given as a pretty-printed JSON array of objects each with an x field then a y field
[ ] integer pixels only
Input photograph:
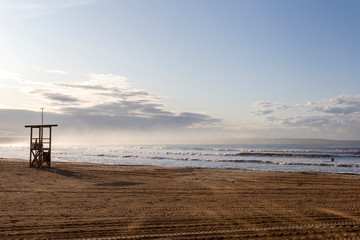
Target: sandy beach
[{"x": 89, "y": 201}]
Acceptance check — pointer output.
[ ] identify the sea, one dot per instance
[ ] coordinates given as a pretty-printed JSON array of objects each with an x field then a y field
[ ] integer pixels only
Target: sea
[{"x": 344, "y": 159}]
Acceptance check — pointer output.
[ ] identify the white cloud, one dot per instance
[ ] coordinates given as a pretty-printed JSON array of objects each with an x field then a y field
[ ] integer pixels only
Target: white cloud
[
  {"x": 337, "y": 116},
  {"x": 267, "y": 107},
  {"x": 107, "y": 81},
  {"x": 55, "y": 71},
  {"x": 35, "y": 8},
  {"x": 44, "y": 4},
  {"x": 343, "y": 104},
  {"x": 11, "y": 76}
]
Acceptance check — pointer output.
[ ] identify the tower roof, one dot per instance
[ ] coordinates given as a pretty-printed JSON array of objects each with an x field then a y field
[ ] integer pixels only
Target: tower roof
[{"x": 38, "y": 126}]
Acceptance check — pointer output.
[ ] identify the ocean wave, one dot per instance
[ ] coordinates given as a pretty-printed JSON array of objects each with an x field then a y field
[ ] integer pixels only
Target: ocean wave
[
  {"x": 201, "y": 155},
  {"x": 327, "y": 164},
  {"x": 253, "y": 153},
  {"x": 280, "y": 157},
  {"x": 280, "y": 154}
]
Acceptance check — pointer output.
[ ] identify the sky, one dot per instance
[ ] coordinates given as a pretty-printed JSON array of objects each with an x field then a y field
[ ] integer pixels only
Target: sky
[{"x": 180, "y": 71}]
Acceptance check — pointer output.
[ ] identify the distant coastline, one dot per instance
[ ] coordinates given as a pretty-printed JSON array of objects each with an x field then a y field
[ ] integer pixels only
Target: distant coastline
[
  {"x": 288, "y": 141},
  {"x": 315, "y": 141}
]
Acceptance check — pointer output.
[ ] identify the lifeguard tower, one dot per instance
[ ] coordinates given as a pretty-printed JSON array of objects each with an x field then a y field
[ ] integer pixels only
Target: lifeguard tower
[{"x": 40, "y": 146}]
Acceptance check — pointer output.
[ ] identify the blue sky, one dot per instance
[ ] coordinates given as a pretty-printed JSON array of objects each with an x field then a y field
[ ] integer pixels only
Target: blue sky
[{"x": 181, "y": 71}]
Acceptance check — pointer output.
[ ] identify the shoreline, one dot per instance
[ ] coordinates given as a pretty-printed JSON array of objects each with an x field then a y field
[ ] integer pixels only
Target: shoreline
[
  {"x": 86, "y": 200},
  {"x": 175, "y": 167},
  {"x": 284, "y": 158}
]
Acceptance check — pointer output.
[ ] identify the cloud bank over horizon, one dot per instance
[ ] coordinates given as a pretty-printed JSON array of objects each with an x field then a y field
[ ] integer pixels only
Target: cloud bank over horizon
[{"x": 106, "y": 104}]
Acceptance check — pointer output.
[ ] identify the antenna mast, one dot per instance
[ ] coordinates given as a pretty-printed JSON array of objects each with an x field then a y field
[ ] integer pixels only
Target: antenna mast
[{"x": 42, "y": 116}]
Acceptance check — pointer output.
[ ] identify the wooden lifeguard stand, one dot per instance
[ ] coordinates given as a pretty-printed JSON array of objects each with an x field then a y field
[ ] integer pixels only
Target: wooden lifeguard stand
[{"x": 40, "y": 146}]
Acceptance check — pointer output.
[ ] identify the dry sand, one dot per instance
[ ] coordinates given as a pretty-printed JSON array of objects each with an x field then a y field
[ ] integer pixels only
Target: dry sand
[{"x": 89, "y": 201}]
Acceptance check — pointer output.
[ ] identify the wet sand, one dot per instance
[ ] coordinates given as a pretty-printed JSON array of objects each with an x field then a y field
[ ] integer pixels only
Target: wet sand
[{"x": 89, "y": 201}]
